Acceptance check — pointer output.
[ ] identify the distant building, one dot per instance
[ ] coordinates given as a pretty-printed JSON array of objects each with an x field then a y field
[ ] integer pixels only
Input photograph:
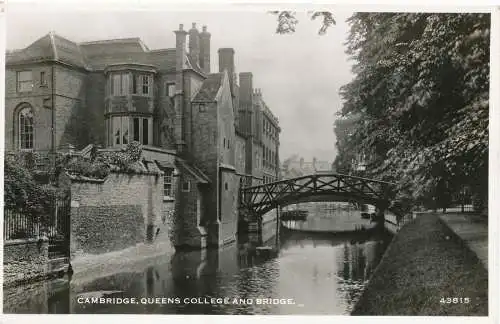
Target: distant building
[{"x": 298, "y": 167}]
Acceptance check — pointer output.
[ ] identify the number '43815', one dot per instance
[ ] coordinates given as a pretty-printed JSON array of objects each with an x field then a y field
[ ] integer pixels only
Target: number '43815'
[{"x": 455, "y": 300}]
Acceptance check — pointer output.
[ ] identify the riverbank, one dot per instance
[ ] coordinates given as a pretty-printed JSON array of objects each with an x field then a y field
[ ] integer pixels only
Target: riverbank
[{"x": 425, "y": 264}]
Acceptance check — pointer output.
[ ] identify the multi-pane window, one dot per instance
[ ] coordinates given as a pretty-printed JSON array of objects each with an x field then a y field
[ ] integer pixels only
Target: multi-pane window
[
  {"x": 142, "y": 84},
  {"x": 125, "y": 129},
  {"x": 145, "y": 84},
  {"x": 43, "y": 79},
  {"x": 141, "y": 130},
  {"x": 120, "y": 84},
  {"x": 24, "y": 81},
  {"x": 120, "y": 130},
  {"x": 26, "y": 129},
  {"x": 167, "y": 182}
]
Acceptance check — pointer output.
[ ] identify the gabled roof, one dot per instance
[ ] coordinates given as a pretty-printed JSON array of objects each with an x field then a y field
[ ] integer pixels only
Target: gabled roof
[
  {"x": 194, "y": 171},
  {"x": 209, "y": 88}
]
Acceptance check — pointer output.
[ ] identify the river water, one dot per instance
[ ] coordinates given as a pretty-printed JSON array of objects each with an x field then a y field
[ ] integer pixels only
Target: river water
[{"x": 306, "y": 273}]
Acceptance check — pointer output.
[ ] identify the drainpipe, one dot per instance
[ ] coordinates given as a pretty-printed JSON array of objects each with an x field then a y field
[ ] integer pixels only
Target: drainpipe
[{"x": 53, "y": 128}]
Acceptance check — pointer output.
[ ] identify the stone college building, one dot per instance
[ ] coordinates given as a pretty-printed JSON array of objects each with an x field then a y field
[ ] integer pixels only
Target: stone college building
[{"x": 210, "y": 133}]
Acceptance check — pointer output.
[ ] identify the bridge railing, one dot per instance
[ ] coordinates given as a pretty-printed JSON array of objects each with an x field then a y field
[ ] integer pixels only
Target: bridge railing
[{"x": 264, "y": 196}]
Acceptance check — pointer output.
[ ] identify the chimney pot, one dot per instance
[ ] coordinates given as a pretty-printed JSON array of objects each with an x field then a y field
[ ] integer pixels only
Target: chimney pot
[
  {"x": 194, "y": 25},
  {"x": 204, "y": 59},
  {"x": 181, "y": 27}
]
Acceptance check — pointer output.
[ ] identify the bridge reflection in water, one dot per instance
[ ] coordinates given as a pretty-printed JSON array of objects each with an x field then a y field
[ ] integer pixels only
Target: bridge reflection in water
[{"x": 321, "y": 273}]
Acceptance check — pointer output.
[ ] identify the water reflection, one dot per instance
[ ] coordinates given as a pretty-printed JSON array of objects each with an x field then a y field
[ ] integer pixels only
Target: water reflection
[{"x": 321, "y": 273}]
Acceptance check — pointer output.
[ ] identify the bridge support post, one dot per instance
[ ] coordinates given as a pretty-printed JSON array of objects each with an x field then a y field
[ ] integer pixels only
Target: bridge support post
[{"x": 278, "y": 223}]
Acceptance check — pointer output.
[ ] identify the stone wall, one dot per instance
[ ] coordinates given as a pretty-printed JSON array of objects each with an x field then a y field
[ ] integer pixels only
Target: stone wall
[
  {"x": 118, "y": 212},
  {"x": 25, "y": 260}
]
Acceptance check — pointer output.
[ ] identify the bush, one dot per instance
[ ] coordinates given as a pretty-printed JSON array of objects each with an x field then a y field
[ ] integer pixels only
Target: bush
[
  {"x": 101, "y": 163},
  {"x": 22, "y": 193}
]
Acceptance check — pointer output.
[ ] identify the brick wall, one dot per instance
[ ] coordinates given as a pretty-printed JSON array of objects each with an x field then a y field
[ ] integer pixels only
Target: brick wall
[
  {"x": 123, "y": 209},
  {"x": 24, "y": 259}
]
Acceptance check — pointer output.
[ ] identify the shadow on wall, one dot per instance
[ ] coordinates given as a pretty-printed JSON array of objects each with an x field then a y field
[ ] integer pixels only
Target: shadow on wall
[{"x": 83, "y": 122}]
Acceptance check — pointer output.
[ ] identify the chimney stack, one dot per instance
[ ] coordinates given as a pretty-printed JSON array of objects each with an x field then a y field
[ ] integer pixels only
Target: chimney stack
[
  {"x": 226, "y": 62},
  {"x": 180, "y": 48},
  {"x": 246, "y": 101},
  {"x": 205, "y": 50},
  {"x": 194, "y": 44}
]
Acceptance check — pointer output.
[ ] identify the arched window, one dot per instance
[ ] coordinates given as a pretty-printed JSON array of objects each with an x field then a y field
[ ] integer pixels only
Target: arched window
[{"x": 26, "y": 129}]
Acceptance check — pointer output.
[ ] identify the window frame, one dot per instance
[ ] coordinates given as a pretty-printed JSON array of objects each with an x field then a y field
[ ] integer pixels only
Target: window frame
[
  {"x": 168, "y": 86},
  {"x": 168, "y": 174},
  {"x": 120, "y": 84},
  {"x": 20, "y": 82},
  {"x": 21, "y": 133},
  {"x": 184, "y": 182},
  {"x": 145, "y": 84},
  {"x": 127, "y": 130},
  {"x": 138, "y": 84},
  {"x": 43, "y": 79},
  {"x": 140, "y": 129}
]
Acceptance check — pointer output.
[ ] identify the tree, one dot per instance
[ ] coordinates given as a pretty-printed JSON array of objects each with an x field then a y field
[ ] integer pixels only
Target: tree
[
  {"x": 287, "y": 21},
  {"x": 421, "y": 89}
]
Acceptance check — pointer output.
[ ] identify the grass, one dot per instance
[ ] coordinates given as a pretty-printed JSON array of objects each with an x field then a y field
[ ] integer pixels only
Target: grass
[{"x": 425, "y": 262}]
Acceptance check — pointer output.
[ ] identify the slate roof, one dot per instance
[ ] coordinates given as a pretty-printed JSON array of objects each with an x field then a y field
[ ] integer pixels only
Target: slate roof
[
  {"x": 98, "y": 54},
  {"x": 192, "y": 64},
  {"x": 194, "y": 171},
  {"x": 209, "y": 88},
  {"x": 41, "y": 49}
]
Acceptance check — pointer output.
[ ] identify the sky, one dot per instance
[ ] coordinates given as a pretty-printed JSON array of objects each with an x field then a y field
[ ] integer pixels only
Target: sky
[{"x": 299, "y": 75}]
